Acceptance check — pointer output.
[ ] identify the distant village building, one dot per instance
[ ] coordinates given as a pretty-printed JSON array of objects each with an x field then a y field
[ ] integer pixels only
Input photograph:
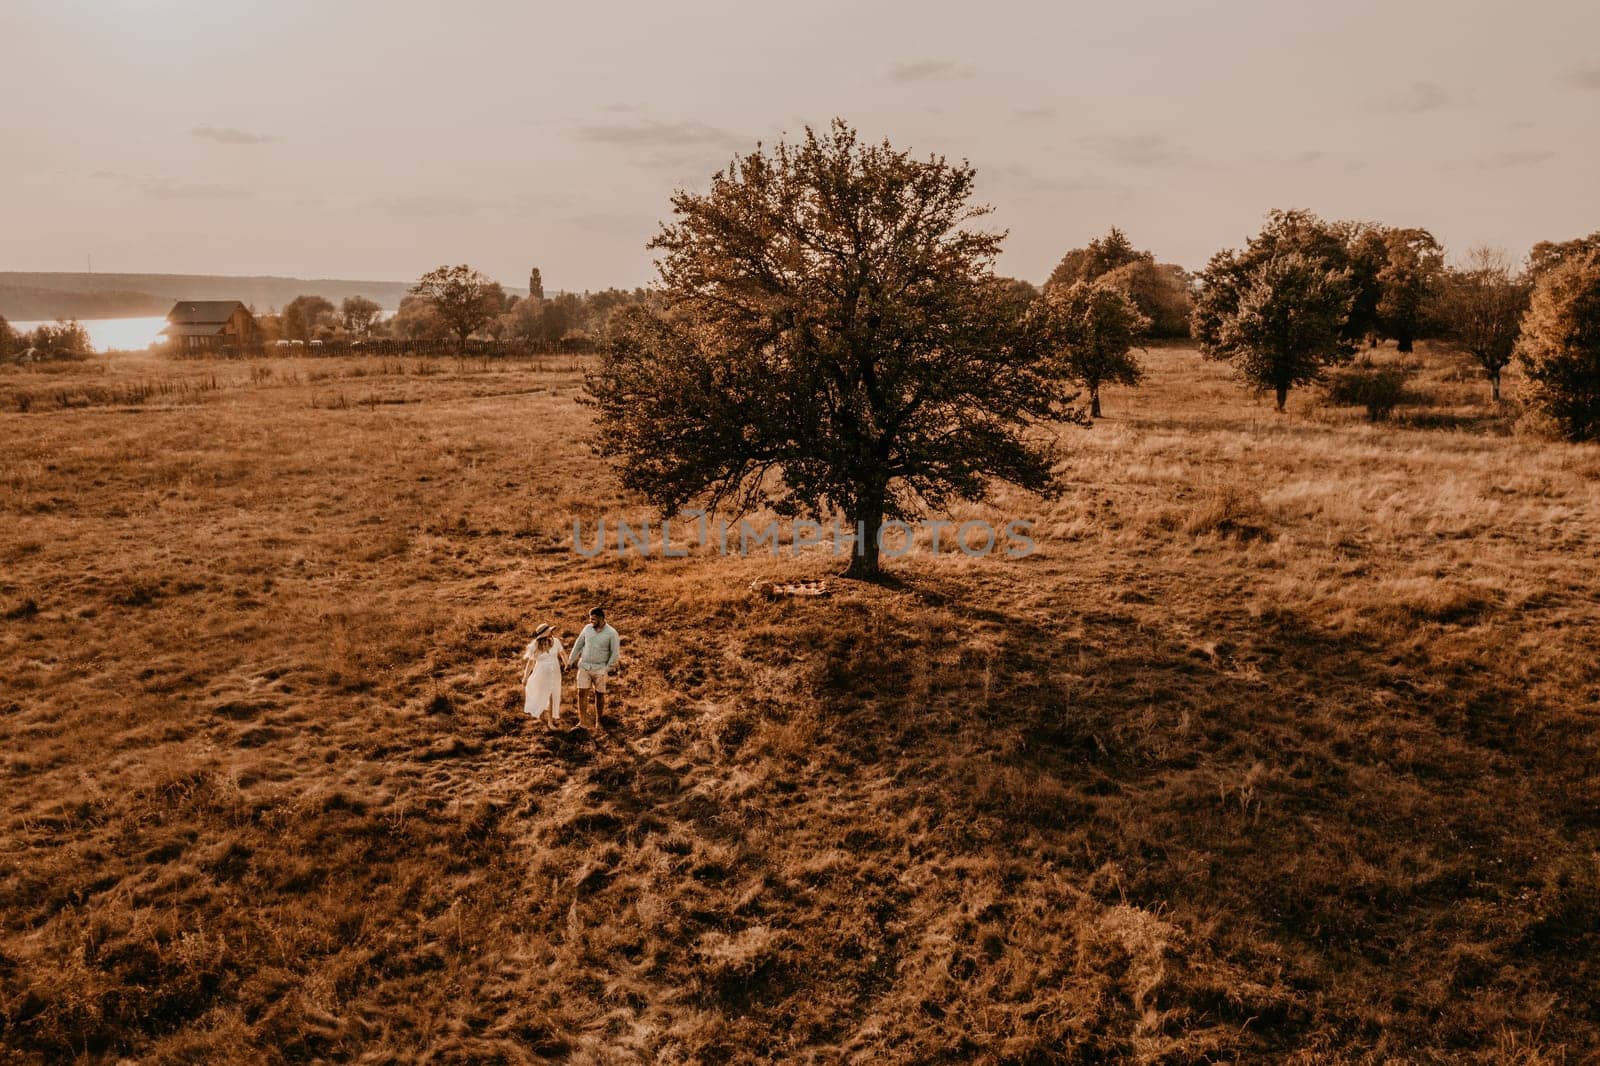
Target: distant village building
[{"x": 199, "y": 325}]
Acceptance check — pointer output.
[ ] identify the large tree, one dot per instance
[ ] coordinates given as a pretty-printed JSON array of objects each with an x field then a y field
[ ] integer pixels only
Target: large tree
[
  {"x": 1352, "y": 249},
  {"x": 1090, "y": 328},
  {"x": 832, "y": 339},
  {"x": 1413, "y": 264},
  {"x": 358, "y": 314},
  {"x": 464, "y": 299},
  {"x": 302, "y": 315},
  {"x": 1281, "y": 323},
  {"x": 1560, "y": 345},
  {"x": 1480, "y": 306}
]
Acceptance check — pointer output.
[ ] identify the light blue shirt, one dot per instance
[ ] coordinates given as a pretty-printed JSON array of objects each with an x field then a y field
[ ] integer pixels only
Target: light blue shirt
[{"x": 596, "y": 650}]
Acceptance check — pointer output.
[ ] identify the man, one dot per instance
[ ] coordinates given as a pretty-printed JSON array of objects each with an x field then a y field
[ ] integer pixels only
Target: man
[{"x": 595, "y": 651}]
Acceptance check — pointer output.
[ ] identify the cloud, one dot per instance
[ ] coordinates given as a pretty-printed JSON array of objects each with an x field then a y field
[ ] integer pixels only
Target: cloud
[
  {"x": 1524, "y": 157},
  {"x": 1136, "y": 149},
  {"x": 1020, "y": 179},
  {"x": 1585, "y": 77},
  {"x": 922, "y": 70},
  {"x": 652, "y": 133},
  {"x": 1519, "y": 158},
  {"x": 426, "y": 206},
  {"x": 1420, "y": 97},
  {"x": 1033, "y": 114},
  {"x": 229, "y": 135},
  {"x": 160, "y": 188}
]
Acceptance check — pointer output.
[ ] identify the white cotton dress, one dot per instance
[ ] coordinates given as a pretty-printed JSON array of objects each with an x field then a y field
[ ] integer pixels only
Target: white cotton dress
[{"x": 544, "y": 683}]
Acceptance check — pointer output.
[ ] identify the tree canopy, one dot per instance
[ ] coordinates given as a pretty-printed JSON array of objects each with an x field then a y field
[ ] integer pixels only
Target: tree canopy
[
  {"x": 832, "y": 339},
  {"x": 1560, "y": 345},
  {"x": 464, "y": 299},
  {"x": 1161, "y": 290}
]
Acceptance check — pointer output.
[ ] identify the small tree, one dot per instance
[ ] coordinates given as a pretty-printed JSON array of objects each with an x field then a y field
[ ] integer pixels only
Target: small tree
[
  {"x": 416, "y": 320},
  {"x": 535, "y": 284},
  {"x": 1560, "y": 346},
  {"x": 62, "y": 339},
  {"x": 832, "y": 338},
  {"x": 303, "y": 315},
  {"x": 359, "y": 313},
  {"x": 1283, "y": 325},
  {"x": 10, "y": 342},
  {"x": 1480, "y": 308},
  {"x": 464, "y": 299},
  {"x": 1091, "y": 329}
]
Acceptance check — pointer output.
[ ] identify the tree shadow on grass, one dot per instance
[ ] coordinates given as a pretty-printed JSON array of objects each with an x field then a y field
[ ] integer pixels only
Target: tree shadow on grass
[{"x": 1387, "y": 833}]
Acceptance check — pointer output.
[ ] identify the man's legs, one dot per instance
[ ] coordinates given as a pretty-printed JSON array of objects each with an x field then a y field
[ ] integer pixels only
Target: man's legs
[
  {"x": 583, "y": 708},
  {"x": 599, "y": 708}
]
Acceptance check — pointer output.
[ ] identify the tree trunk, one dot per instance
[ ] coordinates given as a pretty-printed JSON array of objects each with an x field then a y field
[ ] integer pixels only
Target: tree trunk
[
  {"x": 1494, "y": 386},
  {"x": 1283, "y": 397},
  {"x": 868, "y": 518},
  {"x": 1404, "y": 345},
  {"x": 1094, "y": 402}
]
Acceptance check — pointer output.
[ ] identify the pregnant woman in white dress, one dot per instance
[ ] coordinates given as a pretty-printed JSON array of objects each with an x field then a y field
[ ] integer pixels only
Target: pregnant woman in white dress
[{"x": 541, "y": 675}]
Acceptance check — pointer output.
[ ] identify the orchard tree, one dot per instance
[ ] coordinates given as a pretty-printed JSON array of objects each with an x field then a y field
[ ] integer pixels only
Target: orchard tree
[
  {"x": 1281, "y": 323},
  {"x": 302, "y": 315},
  {"x": 464, "y": 299},
  {"x": 1413, "y": 265},
  {"x": 1560, "y": 346},
  {"x": 831, "y": 339},
  {"x": 358, "y": 314},
  {"x": 1480, "y": 309},
  {"x": 1090, "y": 329}
]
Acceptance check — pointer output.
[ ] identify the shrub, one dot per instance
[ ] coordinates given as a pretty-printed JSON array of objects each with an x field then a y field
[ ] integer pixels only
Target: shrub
[{"x": 1379, "y": 389}]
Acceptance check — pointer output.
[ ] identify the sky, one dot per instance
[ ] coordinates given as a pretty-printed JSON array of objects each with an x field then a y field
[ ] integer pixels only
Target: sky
[{"x": 377, "y": 140}]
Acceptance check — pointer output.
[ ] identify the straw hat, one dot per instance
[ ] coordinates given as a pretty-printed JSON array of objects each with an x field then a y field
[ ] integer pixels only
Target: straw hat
[{"x": 543, "y": 631}]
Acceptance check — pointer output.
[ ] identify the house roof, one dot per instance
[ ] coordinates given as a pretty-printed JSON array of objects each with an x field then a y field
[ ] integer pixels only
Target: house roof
[
  {"x": 193, "y": 329},
  {"x": 189, "y": 312}
]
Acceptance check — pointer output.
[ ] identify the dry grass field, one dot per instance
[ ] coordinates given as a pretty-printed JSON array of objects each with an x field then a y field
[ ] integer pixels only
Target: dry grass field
[{"x": 1281, "y": 748}]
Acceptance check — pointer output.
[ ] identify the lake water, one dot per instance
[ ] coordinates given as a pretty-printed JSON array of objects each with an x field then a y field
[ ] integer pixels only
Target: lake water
[{"x": 114, "y": 334}]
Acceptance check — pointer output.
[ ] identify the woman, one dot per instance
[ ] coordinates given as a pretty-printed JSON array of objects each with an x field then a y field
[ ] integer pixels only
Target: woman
[{"x": 541, "y": 675}]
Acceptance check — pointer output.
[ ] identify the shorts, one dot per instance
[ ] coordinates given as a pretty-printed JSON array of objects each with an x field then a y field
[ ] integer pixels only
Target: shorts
[{"x": 595, "y": 680}]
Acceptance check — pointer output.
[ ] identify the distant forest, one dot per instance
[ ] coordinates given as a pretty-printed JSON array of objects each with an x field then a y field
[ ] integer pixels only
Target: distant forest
[{"x": 28, "y": 295}]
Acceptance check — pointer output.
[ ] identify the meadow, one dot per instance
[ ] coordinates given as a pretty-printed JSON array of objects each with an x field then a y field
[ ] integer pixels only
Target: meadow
[{"x": 1282, "y": 747}]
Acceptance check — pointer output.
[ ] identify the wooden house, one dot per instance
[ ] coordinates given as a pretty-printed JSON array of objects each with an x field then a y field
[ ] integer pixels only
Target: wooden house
[{"x": 200, "y": 325}]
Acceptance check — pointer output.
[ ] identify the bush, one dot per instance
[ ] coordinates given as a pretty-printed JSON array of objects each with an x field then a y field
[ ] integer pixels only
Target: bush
[
  {"x": 1560, "y": 347},
  {"x": 1380, "y": 389},
  {"x": 56, "y": 340}
]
